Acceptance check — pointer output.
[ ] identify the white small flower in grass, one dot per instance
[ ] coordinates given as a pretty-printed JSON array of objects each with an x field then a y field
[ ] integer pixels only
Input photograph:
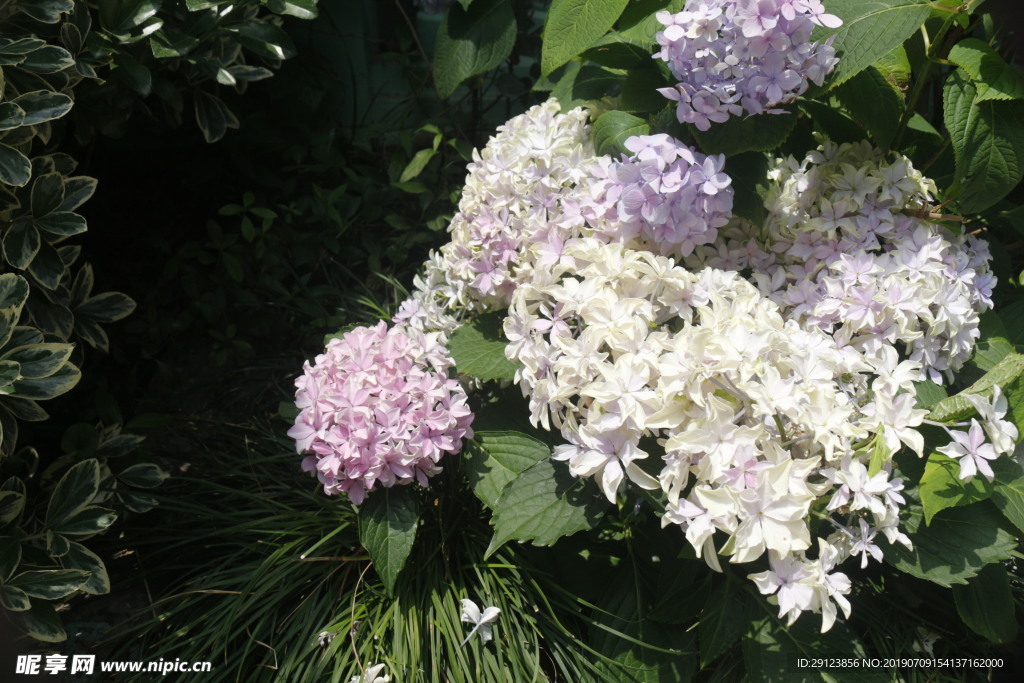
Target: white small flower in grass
[
  {"x": 481, "y": 621},
  {"x": 370, "y": 675},
  {"x": 972, "y": 451}
]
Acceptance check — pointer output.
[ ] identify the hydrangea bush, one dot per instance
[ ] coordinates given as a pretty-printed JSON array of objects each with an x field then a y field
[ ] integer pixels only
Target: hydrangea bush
[{"x": 761, "y": 314}]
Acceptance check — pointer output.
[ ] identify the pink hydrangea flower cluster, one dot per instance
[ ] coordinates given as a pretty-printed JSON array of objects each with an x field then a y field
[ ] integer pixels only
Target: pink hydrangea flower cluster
[
  {"x": 666, "y": 198},
  {"x": 735, "y": 56},
  {"x": 378, "y": 408}
]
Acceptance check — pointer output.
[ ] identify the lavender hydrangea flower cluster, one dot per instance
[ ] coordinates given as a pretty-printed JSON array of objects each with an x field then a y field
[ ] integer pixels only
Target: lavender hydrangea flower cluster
[
  {"x": 736, "y": 56},
  {"x": 377, "y": 408},
  {"x": 666, "y": 197}
]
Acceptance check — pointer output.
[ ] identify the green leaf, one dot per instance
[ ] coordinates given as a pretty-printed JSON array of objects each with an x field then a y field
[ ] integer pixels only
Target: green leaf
[
  {"x": 895, "y": 68},
  {"x": 955, "y": 546},
  {"x": 133, "y": 74},
  {"x": 472, "y": 41},
  {"x": 14, "y": 599},
  {"x": 62, "y": 223},
  {"x": 303, "y": 9},
  {"x": 199, "y": 5},
  {"x": 836, "y": 125},
  {"x": 87, "y": 521},
  {"x": 43, "y": 105},
  {"x": 986, "y": 604},
  {"x": 574, "y": 25},
  {"x": 265, "y": 39},
  {"x": 615, "y": 52},
  {"x": 11, "y": 116},
  {"x": 10, "y": 552},
  {"x": 496, "y": 458},
  {"x": 613, "y": 128},
  {"x": 213, "y": 116},
  {"x": 48, "y": 60},
  {"x": 993, "y": 78},
  {"x": 107, "y": 307},
  {"x": 168, "y": 42},
  {"x": 543, "y": 504},
  {"x": 47, "y": 194},
  {"x": 387, "y": 529},
  {"x": 478, "y": 348},
  {"x": 1008, "y": 490},
  {"x": 754, "y": 133},
  {"x": 81, "y": 558},
  {"x": 77, "y": 191},
  {"x": 941, "y": 486},
  {"x": 47, "y": 267},
  {"x": 749, "y": 173},
  {"x": 39, "y": 360},
  {"x": 874, "y": 103},
  {"x": 73, "y": 492},
  {"x": 640, "y": 89},
  {"x": 1007, "y": 375},
  {"x": 928, "y": 394},
  {"x": 13, "y": 291},
  {"x": 15, "y": 168},
  {"x": 416, "y": 165},
  {"x": 871, "y": 29},
  {"x": 46, "y": 11},
  {"x": 50, "y": 584},
  {"x": 582, "y": 83},
  {"x": 988, "y": 142},
  {"x": 41, "y": 622},
  {"x": 11, "y": 505},
  {"x": 21, "y": 243},
  {"x": 721, "y": 622},
  {"x": 771, "y": 651},
  {"x": 144, "y": 475}
]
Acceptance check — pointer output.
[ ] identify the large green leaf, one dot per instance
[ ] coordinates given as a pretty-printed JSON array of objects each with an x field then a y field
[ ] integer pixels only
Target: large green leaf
[
  {"x": 874, "y": 103},
  {"x": 15, "y": 168},
  {"x": 772, "y": 653},
  {"x": 988, "y": 142},
  {"x": 21, "y": 243},
  {"x": 613, "y": 128},
  {"x": 73, "y": 492},
  {"x": 43, "y": 105},
  {"x": 472, "y": 41},
  {"x": 871, "y": 29},
  {"x": 496, "y": 458},
  {"x": 265, "y": 39},
  {"x": 721, "y": 623},
  {"x": 955, "y": 546},
  {"x": 574, "y": 25},
  {"x": 1008, "y": 491},
  {"x": 213, "y": 117},
  {"x": 11, "y": 505},
  {"x": 543, "y": 504},
  {"x": 986, "y": 604},
  {"x": 580, "y": 84},
  {"x": 87, "y": 522},
  {"x": 941, "y": 486},
  {"x": 387, "y": 529},
  {"x": 993, "y": 77},
  {"x": 10, "y": 554},
  {"x": 478, "y": 348},
  {"x": 81, "y": 558},
  {"x": 39, "y": 360},
  {"x": 753, "y": 133},
  {"x": 1007, "y": 374},
  {"x": 41, "y": 622},
  {"x": 303, "y": 9},
  {"x": 749, "y": 173},
  {"x": 45, "y": 388},
  {"x": 50, "y": 584}
]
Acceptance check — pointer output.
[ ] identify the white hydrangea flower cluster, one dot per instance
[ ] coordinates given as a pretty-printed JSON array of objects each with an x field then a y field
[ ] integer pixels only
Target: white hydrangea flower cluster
[
  {"x": 847, "y": 247},
  {"x": 758, "y": 417},
  {"x": 666, "y": 197},
  {"x": 513, "y": 197}
]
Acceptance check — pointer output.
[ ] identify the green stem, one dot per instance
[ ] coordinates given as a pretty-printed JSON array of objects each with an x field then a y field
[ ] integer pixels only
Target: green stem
[{"x": 919, "y": 85}]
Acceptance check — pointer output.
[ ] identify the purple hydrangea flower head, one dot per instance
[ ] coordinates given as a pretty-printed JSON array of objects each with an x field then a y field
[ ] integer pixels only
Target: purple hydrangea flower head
[
  {"x": 736, "y": 56},
  {"x": 378, "y": 408},
  {"x": 666, "y": 197}
]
